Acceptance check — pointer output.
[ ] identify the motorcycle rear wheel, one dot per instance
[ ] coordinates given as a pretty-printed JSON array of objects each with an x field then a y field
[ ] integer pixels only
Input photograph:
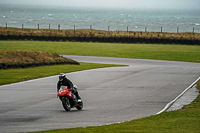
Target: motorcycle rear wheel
[{"x": 66, "y": 103}]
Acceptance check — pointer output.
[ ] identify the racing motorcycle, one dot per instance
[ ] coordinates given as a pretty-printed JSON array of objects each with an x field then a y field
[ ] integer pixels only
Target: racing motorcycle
[{"x": 68, "y": 99}]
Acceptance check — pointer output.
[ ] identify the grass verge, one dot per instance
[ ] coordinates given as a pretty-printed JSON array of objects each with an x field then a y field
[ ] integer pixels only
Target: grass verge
[
  {"x": 182, "y": 121},
  {"x": 27, "y": 56},
  {"x": 98, "y": 33},
  {"x": 187, "y": 53},
  {"x": 22, "y": 74}
]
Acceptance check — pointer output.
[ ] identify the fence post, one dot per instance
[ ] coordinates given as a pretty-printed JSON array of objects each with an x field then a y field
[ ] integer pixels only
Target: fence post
[
  {"x": 161, "y": 29},
  {"x": 127, "y": 28},
  {"x": 145, "y": 29},
  {"x": 193, "y": 29},
  {"x": 108, "y": 28},
  {"x": 59, "y": 27},
  {"x": 90, "y": 30},
  {"x": 74, "y": 29},
  {"x": 177, "y": 29},
  {"x": 49, "y": 26},
  {"x": 6, "y": 25},
  {"x": 22, "y": 26},
  {"x": 38, "y": 26}
]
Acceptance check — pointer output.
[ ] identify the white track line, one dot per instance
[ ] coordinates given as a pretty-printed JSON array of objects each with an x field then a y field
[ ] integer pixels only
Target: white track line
[
  {"x": 27, "y": 81},
  {"x": 170, "y": 103}
]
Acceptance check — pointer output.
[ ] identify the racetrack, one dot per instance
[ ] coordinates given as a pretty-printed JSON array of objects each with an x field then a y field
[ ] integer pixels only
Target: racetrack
[{"x": 110, "y": 95}]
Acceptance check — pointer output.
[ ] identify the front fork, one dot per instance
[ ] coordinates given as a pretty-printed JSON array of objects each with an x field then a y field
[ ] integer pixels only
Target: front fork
[{"x": 74, "y": 99}]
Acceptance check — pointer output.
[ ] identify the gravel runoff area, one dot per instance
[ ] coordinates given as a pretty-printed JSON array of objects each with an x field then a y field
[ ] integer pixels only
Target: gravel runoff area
[{"x": 185, "y": 99}]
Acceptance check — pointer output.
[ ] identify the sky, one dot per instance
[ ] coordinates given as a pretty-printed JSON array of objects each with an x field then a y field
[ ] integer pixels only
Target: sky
[{"x": 127, "y": 4}]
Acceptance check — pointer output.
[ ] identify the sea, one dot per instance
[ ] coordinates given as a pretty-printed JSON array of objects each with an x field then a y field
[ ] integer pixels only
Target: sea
[{"x": 150, "y": 20}]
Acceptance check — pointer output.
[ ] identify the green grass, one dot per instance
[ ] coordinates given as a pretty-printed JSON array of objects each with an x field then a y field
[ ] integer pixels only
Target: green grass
[
  {"x": 182, "y": 121},
  {"x": 187, "y": 53},
  {"x": 17, "y": 75}
]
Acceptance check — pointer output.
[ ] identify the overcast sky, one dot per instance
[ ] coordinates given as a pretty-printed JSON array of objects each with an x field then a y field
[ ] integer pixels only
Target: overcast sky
[{"x": 134, "y": 4}]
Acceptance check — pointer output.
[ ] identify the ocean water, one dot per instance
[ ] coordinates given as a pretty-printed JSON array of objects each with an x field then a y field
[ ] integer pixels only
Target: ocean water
[{"x": 101, "y": 19}]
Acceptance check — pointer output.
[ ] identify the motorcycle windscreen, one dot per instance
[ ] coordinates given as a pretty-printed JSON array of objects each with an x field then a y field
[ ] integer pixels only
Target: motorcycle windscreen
[
  {"x": 63, "y": 91},
  {"x": 62, "y": 87}
]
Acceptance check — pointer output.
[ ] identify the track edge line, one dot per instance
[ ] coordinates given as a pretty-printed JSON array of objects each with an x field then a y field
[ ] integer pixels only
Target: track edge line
[{"x": 173, "y": 101}]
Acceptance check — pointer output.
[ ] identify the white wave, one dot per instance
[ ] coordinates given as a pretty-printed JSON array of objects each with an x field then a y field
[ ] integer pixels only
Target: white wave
[
  {"x": 11, "y": 11},
  {"x": 50, "y": 14},
  {"x": 136, "y": 27},
  {"x": 13, "y": 22},
  {"x": 4, "y": 16},
  {"x": 197, "y": 24},
  {"x": 30, "y": 20},
  {"x": 122, "y": 14},
  {"x": 176, "y": 17}
]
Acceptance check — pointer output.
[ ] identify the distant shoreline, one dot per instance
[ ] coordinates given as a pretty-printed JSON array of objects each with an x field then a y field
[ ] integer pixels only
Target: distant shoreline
[{"x": 138, "y": 20}]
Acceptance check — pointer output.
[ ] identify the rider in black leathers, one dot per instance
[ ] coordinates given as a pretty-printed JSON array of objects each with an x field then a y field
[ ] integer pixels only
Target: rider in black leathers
[{"x": 66, "y": 82}]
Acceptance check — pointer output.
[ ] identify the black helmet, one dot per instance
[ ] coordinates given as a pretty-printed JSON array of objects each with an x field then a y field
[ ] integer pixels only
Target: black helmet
[{"x": 61, "y": 76}]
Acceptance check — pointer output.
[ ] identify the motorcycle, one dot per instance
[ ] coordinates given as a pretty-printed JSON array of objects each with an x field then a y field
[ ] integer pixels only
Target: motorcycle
[{"x": 68, "y": 99}]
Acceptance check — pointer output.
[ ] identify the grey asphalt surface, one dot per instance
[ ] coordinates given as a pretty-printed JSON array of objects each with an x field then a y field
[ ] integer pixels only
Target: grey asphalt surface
[{"x": 110, "y": 95}]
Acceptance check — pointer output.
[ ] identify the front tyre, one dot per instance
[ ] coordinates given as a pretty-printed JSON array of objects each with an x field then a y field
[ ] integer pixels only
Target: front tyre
[
  {"x": 80, "y": 105},
  {"x": 66, "y": 103}
]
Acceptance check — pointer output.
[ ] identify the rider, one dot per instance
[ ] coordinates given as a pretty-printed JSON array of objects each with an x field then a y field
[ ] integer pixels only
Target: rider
[{"x": 64, "y": 81}]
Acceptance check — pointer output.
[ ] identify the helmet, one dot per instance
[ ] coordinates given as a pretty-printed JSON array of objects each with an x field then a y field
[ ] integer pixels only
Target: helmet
[{"x": 62, "y": 76}]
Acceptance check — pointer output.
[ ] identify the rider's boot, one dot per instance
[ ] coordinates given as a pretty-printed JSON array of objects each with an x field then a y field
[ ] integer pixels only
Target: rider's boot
[{"x": 78, "y": 97}]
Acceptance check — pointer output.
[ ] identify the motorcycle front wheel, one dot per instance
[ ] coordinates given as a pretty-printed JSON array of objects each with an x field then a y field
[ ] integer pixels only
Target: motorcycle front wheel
[
  {"x": 66, "y": 103},
  {"x": 80, "y": 105}
]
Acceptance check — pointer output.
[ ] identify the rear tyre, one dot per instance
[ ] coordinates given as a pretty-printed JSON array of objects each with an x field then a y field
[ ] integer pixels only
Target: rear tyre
[{"x": 66, "y": 103}]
